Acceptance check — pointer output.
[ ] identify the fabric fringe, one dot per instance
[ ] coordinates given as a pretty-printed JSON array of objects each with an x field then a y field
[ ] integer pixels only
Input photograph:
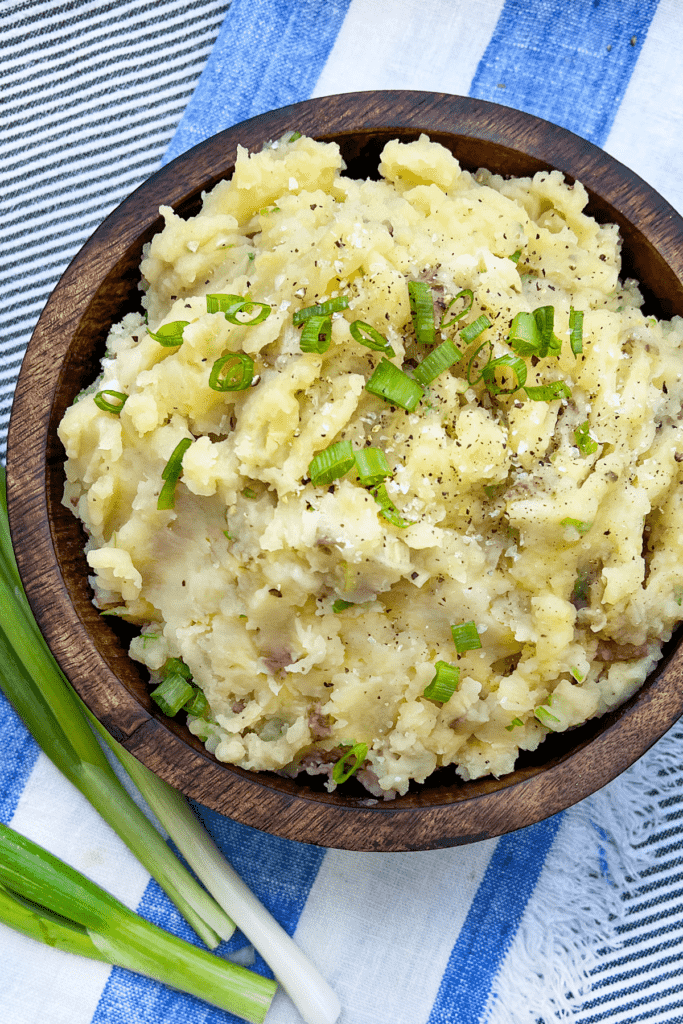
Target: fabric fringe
[{"x": 602, "y": 849}]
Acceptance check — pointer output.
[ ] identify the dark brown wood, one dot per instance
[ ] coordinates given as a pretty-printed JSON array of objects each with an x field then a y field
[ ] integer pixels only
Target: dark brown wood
[{"x": 101, "y": 285}]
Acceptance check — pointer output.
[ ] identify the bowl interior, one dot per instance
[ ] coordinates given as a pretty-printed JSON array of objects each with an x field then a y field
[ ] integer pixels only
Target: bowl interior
[{"x": 102, "y": 285}]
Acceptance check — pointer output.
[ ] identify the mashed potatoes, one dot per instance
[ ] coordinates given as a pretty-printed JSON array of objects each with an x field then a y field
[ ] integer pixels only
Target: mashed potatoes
[{"x": 522, "y": 544}]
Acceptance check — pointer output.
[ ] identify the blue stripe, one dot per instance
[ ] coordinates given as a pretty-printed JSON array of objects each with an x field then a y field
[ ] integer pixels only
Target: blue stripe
[
  {"x": 492, "y": 922},
  {"x": 19, "y": 755},
  {"x": 279, "y": 871},
  {"x": 568, "y": 62},
  {"x": 269, "y": 53}
]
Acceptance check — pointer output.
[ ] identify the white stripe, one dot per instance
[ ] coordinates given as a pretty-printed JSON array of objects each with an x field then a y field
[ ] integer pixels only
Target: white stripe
[
  {"x": 644, "y": 134},
  {"x": 381, "y": 952},
  {"x": 435, "y": 46},
  {"x": 40, "y": 983}
]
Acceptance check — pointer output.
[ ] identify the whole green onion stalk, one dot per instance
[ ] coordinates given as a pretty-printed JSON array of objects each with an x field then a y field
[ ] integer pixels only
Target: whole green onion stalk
[
  {"x": 33, "y": 682},
  {"x": 48, "y": 900}
]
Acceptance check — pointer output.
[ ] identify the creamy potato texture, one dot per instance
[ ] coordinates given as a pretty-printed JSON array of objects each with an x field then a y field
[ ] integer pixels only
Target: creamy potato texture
[{"x": 313, "y": 615}]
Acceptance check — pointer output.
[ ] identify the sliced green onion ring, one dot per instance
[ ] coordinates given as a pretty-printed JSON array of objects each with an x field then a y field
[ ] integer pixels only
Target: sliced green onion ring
[
  {"x": 545, "y": 321},
  {"x": 545, "y": 717},
  {"x": 394, "y": 386},
  {"x": 245, "y": 307},
  {"x": 170, "y": 335},
  {"x": 422, "y": 310},
  {"x": 473, "y": 330},
  {"x": 110, "y": 401},
  {"x": 579, "y": 524},
  {"x": 437, "y": 362},
  {"x": 232, "y": 372},
  {"x": 468, "y": 295},
  {"x": 372, "y": 466},
  {"x": 466, "y": 637},
  {"x": 474, "y": 363},
  {"x": 370, "y": 337},
  {"x": 507, "y": 362},
  {"x": 525, "y": 337},
  {"x": 387, "y": 509},
  {"x": 548, "y": 392},
  {"x": 222, "y": 303},
  {"x": 445, "y": 682},
  {"x": 342, "y": 770},
  {"x": 340, "y": 605},
  {"x": 172, "y": 693},
  {"x": 326, "y": 308},
  {"x": 197, "y": 705},
  {"x": 331, "y": 463},
  {"x": 515, "y": 256},
  {"x": 586, "y": 444},
  {"x": 576, "y": 330},
  {"x": 316, "y": 335},
  {"x": 171, "y": 474}
]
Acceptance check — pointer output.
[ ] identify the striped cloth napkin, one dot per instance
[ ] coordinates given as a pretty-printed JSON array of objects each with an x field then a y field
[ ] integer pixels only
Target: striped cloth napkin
[{"x": 579, "y": 918}]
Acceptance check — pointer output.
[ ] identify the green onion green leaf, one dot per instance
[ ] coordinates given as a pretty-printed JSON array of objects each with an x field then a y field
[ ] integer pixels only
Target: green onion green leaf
[
  {"x": 513, "y": 723},
  {"x": 445, "y": 682},
  {"x": 331, "y": 463},
  {"x": 387, "y": 509},
  {"x": 316, "y": 335},
  {"x": 172, "y": 693},
  {"x": 506, "y": 365},
  {"x": 473, "y": 330},
  {"x": 110, "y": 401},
  {"x": 422, "y": 310},
  {"x": 349, "y": 764},
  {"x": 370, "y": 337},
  {"x": 466, "y": 637},
  {"x": 578, "y": 524},
  {"x": 170, "y": 335},
  {"x": 576, "y": 330},
  {"x": 372, "y": 466},
  {"x": 232, "y": 372},
  {"x": 524, "y": 337},
  {"x": 437, "y": 362},
  {"x": 394, "y": 386},
  {"x": 468, "y": 297},
  {"x": 171, "y": 474},
  {"x": 340, "y": 605},
  {"x": 586, "y": 444},
  {"x": 548, "y": 392},
  {"x": 326, "y": 308}
]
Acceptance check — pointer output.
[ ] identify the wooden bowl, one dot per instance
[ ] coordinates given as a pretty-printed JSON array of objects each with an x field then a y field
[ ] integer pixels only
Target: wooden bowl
[{"x": 100, "y": 286}]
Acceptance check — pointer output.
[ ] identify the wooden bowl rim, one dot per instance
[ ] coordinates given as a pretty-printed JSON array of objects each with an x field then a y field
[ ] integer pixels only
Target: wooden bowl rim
[{"x": 264, "y": 801}]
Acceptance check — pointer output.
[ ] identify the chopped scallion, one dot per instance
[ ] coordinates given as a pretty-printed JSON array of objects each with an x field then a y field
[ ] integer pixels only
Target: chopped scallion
[
  {"x": 372, "y": 466},
  {"x": 340, "y": 605},
  {"x": 445, "y": 682},
  {"x": 477, "y": 366},
  {"x": 245, "y": 307},
  {"x": 394, "y": 386},
  {"x": 473, "y": 330},
  {"x": 172, "y": 693},
  {"x": 422, "y": 310},
  {"x": 467, "y": 296},
  {"x": 524, "y": 337},
  {"x": 387, "y": 509},
  {"x": 579, "y": 524},
  {"x": 326, "y": 308},
  {"x": 197, "y": 705},
  {"x": 370, "y": 337},
  {"x": 545, "y": 717},
  {"x": 502, "y": 367},
  {"x": 343, "y": 770},
  {"x": 545, "y": 321},
  {"x": 586, "y": 444},
  {"x": 316, "y": 335},
  {"x": 223, "y": 303},
  {"x": 232, "y": 372},
  {"x": 437, "y": 362},
  {"x": 170, "y": 335},
  {"x": 171, "y": 474},
  {"x": 548, "y": 392},
  {"x": 513, "y": 723},
  {"x": 466, "y": 637},
  {"x": 178, "y": 666},
  {"x": 576, "y": 330},
  {"x": 110, "y": 401},
  {"x": 515, "y": 256},
  {"x": 331, "y": 463}
]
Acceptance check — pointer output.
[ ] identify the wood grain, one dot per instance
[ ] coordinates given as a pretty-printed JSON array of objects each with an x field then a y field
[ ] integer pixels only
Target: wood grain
[{"x": 102, "y": 284}]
